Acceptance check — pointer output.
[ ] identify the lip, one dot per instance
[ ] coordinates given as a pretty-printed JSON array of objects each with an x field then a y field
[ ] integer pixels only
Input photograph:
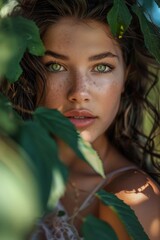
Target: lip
[{"x": 81, "y": 118}]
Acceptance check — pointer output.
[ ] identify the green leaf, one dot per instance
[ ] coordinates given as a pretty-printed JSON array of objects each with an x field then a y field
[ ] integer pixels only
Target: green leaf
[
  {"x": 125, "y": 213},
  {"x": 53, "y": 121},
  {"x": 8, "y": 120},
  {"x": 119, "y": 18},
  {"x": 2, "y": 2},
  {"x": 91, "y": 156},
  {"x": 19, "y": 197},
  {"x": 50, "y": 172},
  {"x": 17, "y": 35},
  {"x": 93, "y": 229},
  {"x": 151, "y": 38}
]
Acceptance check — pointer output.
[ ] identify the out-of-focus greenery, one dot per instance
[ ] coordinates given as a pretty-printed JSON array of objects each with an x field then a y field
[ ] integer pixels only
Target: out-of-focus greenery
[
  {"x": 154, "y": 98},
  {"x": 16, "y": 36},
  {"x": 19, "y": 196}
]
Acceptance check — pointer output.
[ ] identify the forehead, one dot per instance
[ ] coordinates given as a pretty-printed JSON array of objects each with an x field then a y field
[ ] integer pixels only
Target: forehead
[{"x": 89, "y": 35}]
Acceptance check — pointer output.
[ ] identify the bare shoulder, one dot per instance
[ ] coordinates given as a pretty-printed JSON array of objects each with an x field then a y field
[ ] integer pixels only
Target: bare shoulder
[
  {"x": 134, "y": 186},
  {"x": 142, "y": 194}
]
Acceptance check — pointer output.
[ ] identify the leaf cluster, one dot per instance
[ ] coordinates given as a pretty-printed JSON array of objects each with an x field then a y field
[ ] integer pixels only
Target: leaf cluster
[{"x": 120, "y": 17}]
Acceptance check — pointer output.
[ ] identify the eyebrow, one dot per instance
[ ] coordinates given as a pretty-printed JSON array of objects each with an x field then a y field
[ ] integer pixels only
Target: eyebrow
[
  {"x": 56, "y": 55},
  {"x": 92, "y": 58},
  {"x": 102, "y": 56}
]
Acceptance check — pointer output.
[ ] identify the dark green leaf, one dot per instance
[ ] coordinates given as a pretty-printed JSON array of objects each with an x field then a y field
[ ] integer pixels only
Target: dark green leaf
[
  {"x": 93, "y": 229},
  {"x": 151, "y": 38},
  {"x": 119, "y": 18},
  {"x": 42, "y": 149},
  {"x": 8, "y": 120},
  {"x": 125, "y": 213},
  {"x": 17, "y": 35},
  {"x": 53, "y": 121}
]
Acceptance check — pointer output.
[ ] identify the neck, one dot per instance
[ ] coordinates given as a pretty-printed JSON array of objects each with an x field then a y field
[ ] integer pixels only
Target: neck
[{"x": 76, "y": 165}]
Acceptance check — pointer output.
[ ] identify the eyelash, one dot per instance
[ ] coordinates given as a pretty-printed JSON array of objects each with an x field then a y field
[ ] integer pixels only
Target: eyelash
[
  {"x": 106, "y": 65},
  {"x": 48, "y": 66}
]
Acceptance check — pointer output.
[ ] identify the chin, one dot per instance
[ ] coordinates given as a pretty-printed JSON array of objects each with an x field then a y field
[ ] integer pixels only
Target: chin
[{"x": 87, "y": 136}]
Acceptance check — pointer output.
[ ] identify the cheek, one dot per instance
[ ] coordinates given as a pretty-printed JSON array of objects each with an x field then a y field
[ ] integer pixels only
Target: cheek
[
  {"x": 110, "y": 87},
  {"x": 53, "y": 94},
  {"x": 110, "y": 100}
]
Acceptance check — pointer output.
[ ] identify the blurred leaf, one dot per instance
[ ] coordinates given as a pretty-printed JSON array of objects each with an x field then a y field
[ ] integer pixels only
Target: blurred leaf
[
  {"x": 19, "y": 198},
  {"x": 17, "y": 35},
  {"x": 53, "y": 121},
  {"x": 125, "y": 213},
  {"x": 2, "y": 2},
  {"x": 119, "y": 18},
  {"x": 151, "y": 37},
  {"x": 94, "y": 229},
  {"x": 91, "y": 156},
  {"x": 49, "y": 171},
  {"x": 8, "y": 120}
]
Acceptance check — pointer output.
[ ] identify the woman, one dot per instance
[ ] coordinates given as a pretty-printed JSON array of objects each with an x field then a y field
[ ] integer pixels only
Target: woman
[{"x": 100, "y": 83}]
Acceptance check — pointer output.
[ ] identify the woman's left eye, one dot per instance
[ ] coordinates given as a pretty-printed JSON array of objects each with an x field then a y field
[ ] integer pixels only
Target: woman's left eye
[
  {"x": 102, "y": 68},
  {"x": 55, "y": 67}
]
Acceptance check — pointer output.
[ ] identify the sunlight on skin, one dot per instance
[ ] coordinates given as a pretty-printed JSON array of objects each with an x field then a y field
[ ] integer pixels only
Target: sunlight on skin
[
  {"x": 140, "y": 189},
  {"x": 154, "y": 224},
  {"x": 85, "y": 135},
  {"x": 134, "y": 196}
]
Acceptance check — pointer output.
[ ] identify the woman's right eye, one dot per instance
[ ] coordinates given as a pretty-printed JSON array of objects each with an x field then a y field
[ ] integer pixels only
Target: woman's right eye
[{"x": 55, "y": 67}]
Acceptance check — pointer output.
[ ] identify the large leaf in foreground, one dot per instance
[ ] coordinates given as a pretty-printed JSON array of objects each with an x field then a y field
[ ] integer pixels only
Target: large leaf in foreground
[
  {"x": 151, "y": 38},
  {"x": 119, "y": 18},
  {"x": 19, "y": 197},
  {"x": 17, "y": 35},
  {"x": 60, "y": 126},
  {"x": 94, "y": 229},
  {"x": 125, "y": 213},
  {"x": 2, "y": 2},
  {"x": 42, "y": 149},
  {"x": 8, "y": 120}
]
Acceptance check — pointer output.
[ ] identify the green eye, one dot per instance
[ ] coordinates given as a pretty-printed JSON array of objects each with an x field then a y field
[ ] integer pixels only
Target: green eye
[
  {"x": 102, "y": 68},
  {"x": 55, "y": 67}
]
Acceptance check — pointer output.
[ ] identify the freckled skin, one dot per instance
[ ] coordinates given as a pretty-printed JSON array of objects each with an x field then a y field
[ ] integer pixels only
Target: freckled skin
[
  {"x": 81, "y": 86},
  {"x": 91, "y": 90}
]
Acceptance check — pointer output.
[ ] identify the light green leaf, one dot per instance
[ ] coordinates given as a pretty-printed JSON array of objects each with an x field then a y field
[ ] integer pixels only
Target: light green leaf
[
  {"x": 17, "y": 35},
  {"x": 19, "y": 197},
  {"x": 91, "y": 156},
  {"x": 151, "y": 38},
  {"x": 125, "y": 213},
  {"x": 53, "y": 121},
  {"x": 119, "y": 18},
  {"x": 42, "y": 149},
  {"x": 93, "y": 229}
]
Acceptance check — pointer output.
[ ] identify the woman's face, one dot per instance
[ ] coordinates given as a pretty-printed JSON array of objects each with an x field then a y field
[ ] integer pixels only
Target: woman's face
[{"x": 85, "y": 75}]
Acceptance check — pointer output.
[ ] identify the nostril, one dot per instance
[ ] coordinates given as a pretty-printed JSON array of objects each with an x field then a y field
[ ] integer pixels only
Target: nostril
[{"x": 78, "y": 97}]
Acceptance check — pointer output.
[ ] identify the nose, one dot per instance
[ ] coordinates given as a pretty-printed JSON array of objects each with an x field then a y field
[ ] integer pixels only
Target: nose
[{"x": 78, "y": 91}]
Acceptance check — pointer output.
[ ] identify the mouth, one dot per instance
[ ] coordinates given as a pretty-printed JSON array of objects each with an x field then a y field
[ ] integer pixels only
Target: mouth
[{"x": 80, "y": 118}]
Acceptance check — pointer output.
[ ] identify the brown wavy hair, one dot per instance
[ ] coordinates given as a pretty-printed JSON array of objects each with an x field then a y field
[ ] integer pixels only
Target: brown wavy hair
[{"x": 127, "y": 131}]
